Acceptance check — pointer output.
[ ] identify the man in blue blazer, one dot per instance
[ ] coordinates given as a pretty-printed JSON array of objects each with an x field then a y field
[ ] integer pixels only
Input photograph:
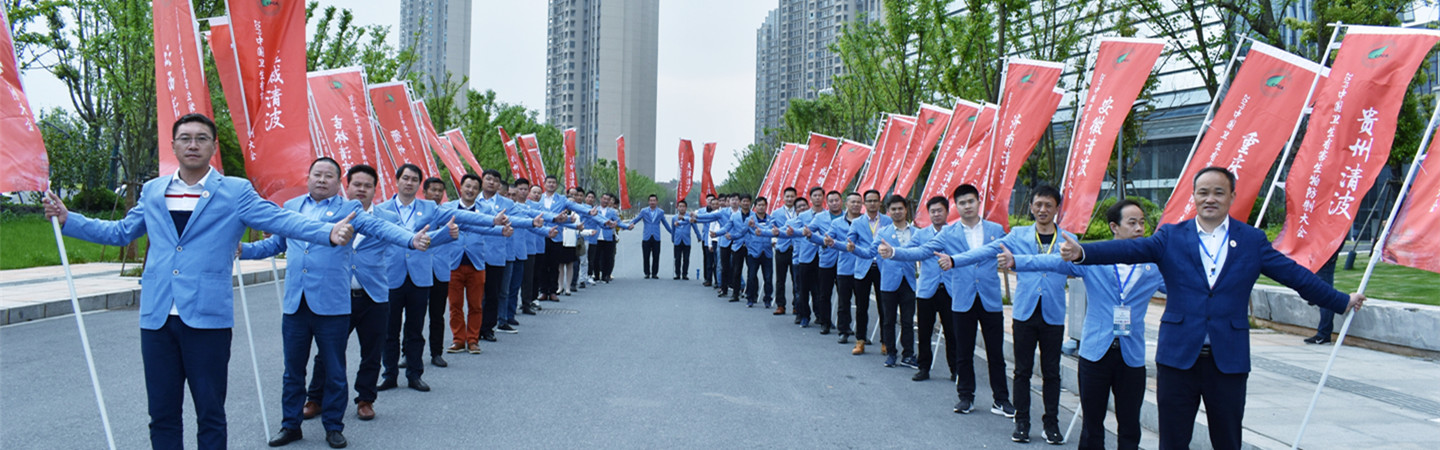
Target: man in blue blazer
[
  {"x": 465, "y": 262},
  {"x": 759, "y": 252},
  {"x": 838, "y": 240},
  {"x": 681, "y": 228},
  {"x": 974, "y": 290},
  {"x": 1112, "y": 343},
  {"x": 1210, "y": 265},
  {"x": 897, "y": 282},
  {"x": 440, "y": 255},
  {"x": 720, "y": 217},
  {"x": 865, "y": 269},
  {"x": 549, "y": 271},
  {"x": 803, "y": 255},
  {"x": 738, "y": 231},
  {"x": 932, "y": 297},
  {"x": 316, "y": 307},
  {"x": 194, "y": 220},
  {"x": 784, "y": 256},
  {"x": 827, "y": 261},
  {"x": 653, "y": 217}
]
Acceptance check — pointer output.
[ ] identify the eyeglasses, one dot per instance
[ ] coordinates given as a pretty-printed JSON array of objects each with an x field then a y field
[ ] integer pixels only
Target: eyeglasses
[{"x": 201, "y": 140}]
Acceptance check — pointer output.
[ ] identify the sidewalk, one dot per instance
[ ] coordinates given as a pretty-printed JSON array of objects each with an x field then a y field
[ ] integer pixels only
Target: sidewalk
[
  {"x": 1372, "y": 399},
  {"x": 41, "y": 292}
]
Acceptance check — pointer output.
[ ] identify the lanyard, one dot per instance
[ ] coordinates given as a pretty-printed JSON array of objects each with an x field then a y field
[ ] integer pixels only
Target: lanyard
[
  {"x": 403, "y": 218},
  {"x": 1041, "y": 246},
  {"x": 1215, "y": 258},
  {"x": 1123, "y": 282}
]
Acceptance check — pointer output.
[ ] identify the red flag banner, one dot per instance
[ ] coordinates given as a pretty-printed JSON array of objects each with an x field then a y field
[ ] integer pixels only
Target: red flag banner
[
  {"x": 512, "y": 154},
  {"x": 893, "y": 141},
  {"x": 446, "y": 152},
  {"x": 1247, "y": 133},
  {"x": 1412, "y": 240},
  {"x": 27, "y": 167},
  {"x": 792, "y": 165},
  {"x": 270, "y": 38},
  {"x": 572, "y": 179},
  {"x": 338, "y": 101},
  {"x": 707, "y": 184},
  {"x": 620, "y": 172},
  {"x": 947, "y": 161},
  {"x": 222, "y": 47},
  {"x": 398, "y": 125},
  {"x": 1122, "y": 65},
  {"x": 772, "y": 175},
  {"x": 462, "y": 146},
  {"x": 180, "y": 86},
  {"x": 930, "y": 124},
  {"x": 1028, "y": 102},
  {"x": 687, "y": 169},
  {"x": 975, "y": 163},
  {"x": 848, "y": 159},
  {"x": 531, "y": 147},
  {"x": 1357, "y": 109},
  {"x": 816, "y": 160}
]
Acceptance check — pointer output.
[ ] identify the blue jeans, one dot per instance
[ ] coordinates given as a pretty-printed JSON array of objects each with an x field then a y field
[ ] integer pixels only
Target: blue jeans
[
  {"x": 177, "y": 355},
  {"x": 515, "y": 271},
  {"x": 330, "y": 335}
]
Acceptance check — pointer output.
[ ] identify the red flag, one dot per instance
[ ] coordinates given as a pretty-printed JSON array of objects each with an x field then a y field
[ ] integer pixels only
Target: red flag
[
  {"x": 572, "y": 180},
  {"x": 620, "y": 172},
  {"x": 270, "y": 38},
  {"x": 848, "y": 159},
  {"x": 531, "y": 148},
  {"x": 707, "y": 184},
  {"x": 772, "y": 175},
  {"x": 1412, "y": 240},
  {"x": 512, "y": 155},
  {"x": 975, "y": 163},
  {"x": 400, "y": 129},
  {"x": 929, "y": 125},
  {"x": 462, "y": 146},
  {"x": 1248, "y": 131},
  {"x": 948, "y": 160},
  {"x": 27, "y": 167},
  {"x": 1348, "y": 138},
  {"x": 793, "y": 160},
  {"x": 815, "y": 162},
  {"x": 893, "y": 141},
  {"x": 447, "y": 153},
  {"x": 687, "y": 168},
  {"x": 1028, "y": 102},
  {"x": 1122, "y": 65},
  {"x": 180, "y": 86},
  {"x": 222, "y": 46},
  {"x": 338, "y": 102}
]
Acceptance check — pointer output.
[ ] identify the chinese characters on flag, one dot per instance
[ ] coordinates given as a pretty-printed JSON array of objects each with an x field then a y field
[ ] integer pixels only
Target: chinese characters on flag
[
  {"x": 848, "y": 159},
  {"x": 930, "y": 123},
  {"x": 1348, "y": 138},
  {"x": 512, "y": 155},
  {"x": 815, "y": 162},
  {"x": 572, "y": 180},
  {"x": 893, "y": 141},
  {"x": 1249, "y": 129},
  {"x": 1413, "y": 238},
  {"x": 620, "y": 172},
  {"x": 530, "y": 147},
  {"x": 180, "y": 86},
  {"x": 687, "y": 167},
  {"x": 339, "y": 104},
  {"x": 707, "y": 184},
  {"x": 270, "y": 44},
  {"x": 27, "y": 168},
  {"x": 399, "y": 128},
  {"x": 1121, "y": 67},
  {"x": 1028, "y": 101},
  {"x": 947, "y": 161}
]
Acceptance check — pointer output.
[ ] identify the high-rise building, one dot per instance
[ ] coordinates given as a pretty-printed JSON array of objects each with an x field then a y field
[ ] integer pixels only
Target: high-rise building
[
  {"x": 439, "y": 31},
  {"x": 601, "y": 70},
  {"x": 792, "y": 53}
]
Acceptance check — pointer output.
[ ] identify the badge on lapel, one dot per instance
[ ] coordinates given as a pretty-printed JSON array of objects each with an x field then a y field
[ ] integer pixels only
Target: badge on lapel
[
  {"x": 1232, "y": 243},
  {"x": 204, "y": 194}
]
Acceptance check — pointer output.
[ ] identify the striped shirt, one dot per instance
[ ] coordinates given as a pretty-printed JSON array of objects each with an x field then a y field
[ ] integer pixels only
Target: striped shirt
[{"x": 180, "y": 199}]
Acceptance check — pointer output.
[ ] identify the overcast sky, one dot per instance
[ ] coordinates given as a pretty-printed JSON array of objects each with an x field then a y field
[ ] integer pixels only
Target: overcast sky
[{"x": 706, "y": 80}]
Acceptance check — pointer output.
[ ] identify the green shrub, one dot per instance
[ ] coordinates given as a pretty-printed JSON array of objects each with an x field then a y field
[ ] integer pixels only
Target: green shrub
[
  {"x": 94, "y": 200},
  {"x": 1100, "y": 227}
]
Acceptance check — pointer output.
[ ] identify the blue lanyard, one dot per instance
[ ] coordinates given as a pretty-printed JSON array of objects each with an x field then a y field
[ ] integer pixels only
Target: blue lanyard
[
  {"x": 1123, "y": 282},
  {"x": 1215, "y": 258},
  {"x": 405, "y": 220}
]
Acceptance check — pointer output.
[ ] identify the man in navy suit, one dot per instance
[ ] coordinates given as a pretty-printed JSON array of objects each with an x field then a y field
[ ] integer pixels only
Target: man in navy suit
[
  {"x": 1210, "y": 265},
  {"x": 194, "y": 220}
]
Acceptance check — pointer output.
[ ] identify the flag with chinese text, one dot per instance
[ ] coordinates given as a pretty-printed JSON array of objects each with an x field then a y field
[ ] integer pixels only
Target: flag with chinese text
[{"x": 1028, "y": 101}]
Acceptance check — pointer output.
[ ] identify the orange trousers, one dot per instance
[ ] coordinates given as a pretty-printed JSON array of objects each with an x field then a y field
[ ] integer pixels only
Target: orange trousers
[{"x": 467, "y": 288}]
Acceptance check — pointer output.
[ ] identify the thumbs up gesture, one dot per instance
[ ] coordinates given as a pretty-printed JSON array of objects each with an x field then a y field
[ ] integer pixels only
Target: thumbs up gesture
[
  {"x": 752, "y": 222},
  {"x": 564, "y": 217},
  {"x": 508, "y": 231},
  {"x": 421, "y": 241},
  {"x": 1005, "y": 258},
  {"x": 538, "y": 222},
  {"x": 341, "y": 233},
  {"x": 554, "y": 231},
  {"x": 945, "y": 262},
  {"x": 849, "y": 245},
  {"x": 454, "y": 229},
  {"x": 1070, "y": 250},
  {"x": 502, "y": 219},
  {"x": 829, "y": 241},
  {"x": 886, "y": 251}
]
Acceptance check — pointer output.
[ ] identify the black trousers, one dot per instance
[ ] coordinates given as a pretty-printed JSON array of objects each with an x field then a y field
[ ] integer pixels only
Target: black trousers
[
  {"x": 844, "y": 291},
  {"x": 490, "y": 305},
  {"x": 527, "y": 283},
  {"x": 1098, "y": 379},
  {"x": 928, "y": 309},
  {"x": 368, "y": 320},
  {"x": 1028, "y": 334},
  {"x": 650, "y": 256},
  {"x": 805, "y": 274},
  {"x": 549, "y": 281},
  {"x": 606, "y": 259},
  {"x": 903, "y": 302},
  {"x": 591, "y": 267},
  {"x": 784, "y": 270},
  {"x": 991, "y": 329},
  {"x": 723, "y": 275},
  {"x": 439, "y": 301},
  {"x": 709, "y": 263},
  {"x": 762, "y": 265},
  {"x": 863, "y": 287},
  {"x": 820, "y": 294},
  {"x": 737, "y": 268},
  {"x": 1178, "y": 393},
  {"x": 407, "y": 316},
  {"x": 682, "y": 260}
]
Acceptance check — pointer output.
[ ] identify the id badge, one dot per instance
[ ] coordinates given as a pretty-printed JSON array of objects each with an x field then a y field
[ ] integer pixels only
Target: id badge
[{"x": 1122, "y": 320}]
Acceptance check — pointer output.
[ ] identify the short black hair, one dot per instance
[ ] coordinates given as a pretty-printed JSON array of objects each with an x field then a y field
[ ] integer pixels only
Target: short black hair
[
  {"x": 893, "y": 199},
  {"x": 1116, "y": 212},
  {"x": 857, "y": 194},
  {"x": 361, "y": 168},
  {"x": 802, "y": 199},
  {"x": 407, "y": 166},
  {"x": 835, "y": 193},
  {"x": 789, "y": 190},
  {"x": 1047, "y": 191},
  {"x": 519, "y": 180},
  {"x": 872, "y": 191},
  {"x": 681, "y": 202},
  {"x": 1228, "y": 175},
  {"x": 963, "y": 190},
  {"x": 709, "y": 195},
  {"x": 551, "y": 177},
  {"x": 471, "y": 176},
  {"x": 817, "y": 188},
  {"x": 433, "y": 180},
  {"x": 653, "y": 196},
  {"x": 325, "y": 159},
  {"x": 941, "y": 200},
  {"x": 743, "y": 197},
  {"x": 762, "y": 199},
  {"x": 492, "y": 173},
  {"x": 194, "y": 117}
]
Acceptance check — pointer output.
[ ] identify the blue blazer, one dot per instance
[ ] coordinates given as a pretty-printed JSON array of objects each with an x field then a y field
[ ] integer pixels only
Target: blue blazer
[
  {"x": 805, "y": 251},
  {"x": 1102, "y": 295},
  {"x": 611, "y": 215},
  {"x": 680, "y": 229},
  {"x": 860, "y": 234},
  {"x": 653, "y": 218},
  {"x": 928, "y": 276},
  {"x": 321, "y": 272},
  {"x": 757, "y": 240},
  {"x": 839, "y": 232},
  {"x": 418, "y": 265},
  {"x": 371, "y": 258},
  {"x": 559, "y": 203},
  {"x": 1031, "y": 287},
  {"x": 820, "y": 226},
  {"x": 891, "y": 271},
  {"x": 780, "y": 218},
  {"x": 720, "y": 216},
  {"x": 964, "y": 281},
  {"x": 193, "y": 271},
  {"x": 739, "y": 229},
  {"x": 1193, "y": 309},
  {"x": 477, "y": 239}
]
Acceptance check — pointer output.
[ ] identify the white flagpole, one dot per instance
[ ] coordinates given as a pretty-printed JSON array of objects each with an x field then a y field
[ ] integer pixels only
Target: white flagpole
[
  {"x": 1305, "y": 112},
  {"x": 1215, "y": 102},
  {"x": 1375, "y": 253},
  {"x": 254, "y": 359},
  {"x": 84, "y": 335}
]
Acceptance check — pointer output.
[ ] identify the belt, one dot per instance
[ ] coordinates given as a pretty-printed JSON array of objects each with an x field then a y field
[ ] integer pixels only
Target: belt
[
  {"x": 357, "y": 293},
  {"x": 1115, "y": 344},
  {"x": 1205, "y": 351}
]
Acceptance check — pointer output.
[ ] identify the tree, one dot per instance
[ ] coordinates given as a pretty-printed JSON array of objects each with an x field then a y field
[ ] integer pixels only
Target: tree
[
  {"x": 604, "y": 179},
  {"x": 76, "y": 162},
  {"x": 749, "y": 174}
]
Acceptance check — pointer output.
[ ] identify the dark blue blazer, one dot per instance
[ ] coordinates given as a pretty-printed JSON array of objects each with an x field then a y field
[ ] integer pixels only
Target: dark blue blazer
[{"x": 1193, "y": 308}]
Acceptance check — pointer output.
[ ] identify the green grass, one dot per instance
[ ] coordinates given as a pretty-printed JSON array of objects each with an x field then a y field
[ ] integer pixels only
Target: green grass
[
  {"x": 1389, "y": 282},
  {"x": 29, "y": 241}
]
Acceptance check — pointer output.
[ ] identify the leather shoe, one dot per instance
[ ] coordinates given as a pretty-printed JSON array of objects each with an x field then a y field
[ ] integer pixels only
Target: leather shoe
[
  {"x": 487, "y": 337},
  {"x": 921, "y": 376},
  {"x": 439, "y": 361},
  {"x": 336, "y": 439},
  {"x": 387, "y": 384},
  {"x": 455, "y": 348},
  {"x": 365, "y": 410},
  {"x": 286, "y": 436},
  {"x": 780, "y": 311},
  {"x": 419, "y": 385},
  {"x": 473, "y": 348},
  {"x": 311, "y": 410}
]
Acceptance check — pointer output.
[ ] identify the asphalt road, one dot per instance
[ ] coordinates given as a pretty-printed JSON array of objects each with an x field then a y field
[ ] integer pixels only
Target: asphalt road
[{"x": 633, "y": 364}]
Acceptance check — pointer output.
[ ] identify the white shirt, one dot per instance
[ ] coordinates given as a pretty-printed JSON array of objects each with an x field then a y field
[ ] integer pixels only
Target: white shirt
[
  {"x": 1214, "y": 247},
  {"x": 1125, "y": 277},
  {"x": 974, "y": 236},
  {"x": 903, "y": 234},
  {"x": 182, "y": 196}
]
